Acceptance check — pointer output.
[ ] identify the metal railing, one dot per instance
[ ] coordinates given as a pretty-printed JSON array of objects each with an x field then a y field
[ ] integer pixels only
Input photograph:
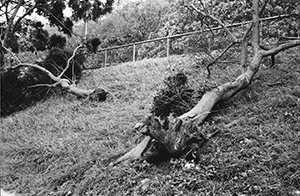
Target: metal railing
[{"x": 176, "y": 36}]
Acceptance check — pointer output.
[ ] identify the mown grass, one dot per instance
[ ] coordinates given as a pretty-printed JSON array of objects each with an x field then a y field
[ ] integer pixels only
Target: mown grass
[{"x": 63, "y": 146}]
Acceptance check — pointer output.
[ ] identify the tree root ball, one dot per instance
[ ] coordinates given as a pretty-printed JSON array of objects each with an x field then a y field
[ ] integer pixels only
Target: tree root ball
[{"x": 98, "y": 95}]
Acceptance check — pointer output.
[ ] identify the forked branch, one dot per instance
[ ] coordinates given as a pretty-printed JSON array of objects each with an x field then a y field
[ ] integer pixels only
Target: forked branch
[{"x": 94, "y": 94}]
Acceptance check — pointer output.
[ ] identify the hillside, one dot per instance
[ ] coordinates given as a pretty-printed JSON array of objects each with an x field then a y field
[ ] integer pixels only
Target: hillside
[{"x": 63, "y": 146}]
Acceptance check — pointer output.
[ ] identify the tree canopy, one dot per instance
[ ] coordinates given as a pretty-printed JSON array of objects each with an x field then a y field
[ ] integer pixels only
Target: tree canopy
[{"x": 16, "y": 24}]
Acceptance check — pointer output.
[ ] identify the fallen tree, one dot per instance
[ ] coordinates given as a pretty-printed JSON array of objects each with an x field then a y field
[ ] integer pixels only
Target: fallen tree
[
  {"x": 27, "y": 82},
  {"x": 24, "y": 84},
  {"x": 68, "y": 84},
  {"x": 180, "y": 135}
]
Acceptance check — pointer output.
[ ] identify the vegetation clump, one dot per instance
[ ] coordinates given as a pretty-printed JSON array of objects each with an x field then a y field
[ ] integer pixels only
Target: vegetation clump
[{"x": 176, "y": 97}]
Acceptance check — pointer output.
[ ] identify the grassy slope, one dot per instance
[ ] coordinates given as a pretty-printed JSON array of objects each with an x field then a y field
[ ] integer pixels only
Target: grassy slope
[{"x": 63, "y": 146}]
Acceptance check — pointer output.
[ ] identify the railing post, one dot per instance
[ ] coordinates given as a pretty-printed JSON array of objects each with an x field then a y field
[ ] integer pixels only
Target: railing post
[
  {"x": 168, "y": 46},
  {"x": 105, "y": 58},
  {"x": 133, "y": 55}
]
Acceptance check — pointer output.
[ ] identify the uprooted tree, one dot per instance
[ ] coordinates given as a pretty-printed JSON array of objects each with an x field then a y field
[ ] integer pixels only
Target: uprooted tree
[
  {"x": 176, "y": 136},
  {"x": 61, "y": 68}
]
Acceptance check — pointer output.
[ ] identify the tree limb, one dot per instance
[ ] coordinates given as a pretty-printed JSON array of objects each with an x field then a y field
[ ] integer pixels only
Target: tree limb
[
  {"x": 62, "y": 24},
  {"x": 54, "y": 78},
  {"x": 69, "y": 60},
  {"x": 255, "y": 32},
  {"x": 10, "y": 52},
  {"x": 234, "y": 39},
  {"x": 290, "y": 38},
  {"x": 11, "y": 20},
  {"x": 44, "y": 85},
  {"x": 218, "y": 57},
  {"x": 134, "y": 153},
  {"x": 23, "y": 16},
  {"x": 281, "y": 47},
  {"x": 64, "y": 83}
]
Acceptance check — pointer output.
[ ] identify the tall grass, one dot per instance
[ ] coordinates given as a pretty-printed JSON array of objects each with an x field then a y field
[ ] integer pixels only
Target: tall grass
[{"x": 63, "y": 146}]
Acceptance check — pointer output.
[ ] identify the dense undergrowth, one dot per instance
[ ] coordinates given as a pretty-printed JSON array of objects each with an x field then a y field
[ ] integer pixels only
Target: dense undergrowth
[{"x": 63, "y": 146}]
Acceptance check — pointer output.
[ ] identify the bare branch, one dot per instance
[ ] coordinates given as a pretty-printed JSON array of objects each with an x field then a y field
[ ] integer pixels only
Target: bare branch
[
  {"x": 23, "y": 16},
  {"x": 44, "y": 85},
  {"x": 54, "y": 78},
  {"x": 69, "y": 60},
  {"x": 263, "y": 7},
  {"x": 219, "y": 56},
  {"x": 289, "y": 38},
  {"x": 234, "y": 39},
  {"x": 281, "y": 47},
  {"x": 11, "y": 20},
  {"x": 62, "y": 24}
]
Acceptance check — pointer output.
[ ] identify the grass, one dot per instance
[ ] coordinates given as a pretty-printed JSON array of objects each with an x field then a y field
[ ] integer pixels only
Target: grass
[{"x": 63, "y": 146}]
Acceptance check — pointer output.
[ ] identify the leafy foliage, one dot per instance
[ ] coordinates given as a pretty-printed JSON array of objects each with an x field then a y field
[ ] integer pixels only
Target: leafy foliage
[
  {"x": 175, "y": 98},
  {"x": 57, "y": 41},
  {"x": 92, "y": 44},
  {"x": 33, "y": 31},
  {"x": 91, "y": 9},
  {"x": 145, "y": 20},
  {"x": 133, "y": 22},
  {"x": 39, "y": 37}
]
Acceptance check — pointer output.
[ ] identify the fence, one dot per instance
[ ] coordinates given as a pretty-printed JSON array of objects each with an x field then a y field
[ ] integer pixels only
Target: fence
[{"x": 176, "y": 36}]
